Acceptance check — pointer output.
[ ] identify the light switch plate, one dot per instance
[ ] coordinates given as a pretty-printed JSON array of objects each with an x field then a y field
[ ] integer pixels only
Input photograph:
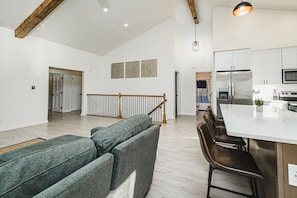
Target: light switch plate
[{"x": 292, "y": 174}]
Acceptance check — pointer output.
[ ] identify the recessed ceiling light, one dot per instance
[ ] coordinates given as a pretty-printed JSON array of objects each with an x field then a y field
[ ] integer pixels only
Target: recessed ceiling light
[
  {"x": 104, "y": 5},
  {"x": 126, "y": 25}
]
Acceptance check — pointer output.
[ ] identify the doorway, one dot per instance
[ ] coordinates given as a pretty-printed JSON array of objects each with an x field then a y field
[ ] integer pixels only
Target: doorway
[
  {"x": 65, "y": 90},
  {"x": 203, "y": 90}
]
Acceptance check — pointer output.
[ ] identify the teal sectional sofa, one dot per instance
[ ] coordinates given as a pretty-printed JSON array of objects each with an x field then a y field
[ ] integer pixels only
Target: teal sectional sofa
[{"x": 117, "y": 161}]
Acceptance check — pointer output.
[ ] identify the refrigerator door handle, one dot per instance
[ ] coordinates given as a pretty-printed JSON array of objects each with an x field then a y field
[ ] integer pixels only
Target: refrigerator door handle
[
  {"x": 229, "y": 92},
  {"x": 233, "y": 90}
]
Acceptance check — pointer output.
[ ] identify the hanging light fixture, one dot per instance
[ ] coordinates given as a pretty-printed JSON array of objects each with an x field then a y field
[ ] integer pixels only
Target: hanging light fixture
[
  {"x": 242, "y": 8},
  {"x": 195, "y": 44}
]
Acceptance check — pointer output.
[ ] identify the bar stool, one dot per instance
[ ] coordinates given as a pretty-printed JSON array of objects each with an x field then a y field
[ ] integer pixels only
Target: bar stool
[
  {"x": 218, "y": 119},
  {"x": 219, "y": 135},
  {"x": 229, "y": 160}
]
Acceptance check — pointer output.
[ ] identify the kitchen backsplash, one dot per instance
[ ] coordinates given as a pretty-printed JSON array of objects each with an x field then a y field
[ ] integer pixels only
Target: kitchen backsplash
[{"x": 266, "y": 91}]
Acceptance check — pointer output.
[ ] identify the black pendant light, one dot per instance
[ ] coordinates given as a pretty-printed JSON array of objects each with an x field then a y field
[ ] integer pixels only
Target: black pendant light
[{"x": 242, "y": 8}]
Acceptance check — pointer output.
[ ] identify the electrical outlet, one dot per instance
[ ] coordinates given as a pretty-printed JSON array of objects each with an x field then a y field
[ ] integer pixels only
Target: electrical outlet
[{"x": 292, "y": 174}]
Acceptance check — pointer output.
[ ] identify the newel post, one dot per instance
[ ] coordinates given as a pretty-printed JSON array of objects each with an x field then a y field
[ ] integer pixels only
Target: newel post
[
  {"x": 120, "y": 107},
  {"x": 164, "y": 111}
]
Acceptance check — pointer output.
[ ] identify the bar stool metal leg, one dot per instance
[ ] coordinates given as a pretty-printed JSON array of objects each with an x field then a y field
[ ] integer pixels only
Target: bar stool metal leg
[{"x": 209, "y": 180}]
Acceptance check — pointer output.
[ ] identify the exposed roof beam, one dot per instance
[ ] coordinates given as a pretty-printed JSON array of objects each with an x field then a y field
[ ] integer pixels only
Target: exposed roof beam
[
  {"x": 42, "y": 11},
  {"x": 193, "y": 11}
]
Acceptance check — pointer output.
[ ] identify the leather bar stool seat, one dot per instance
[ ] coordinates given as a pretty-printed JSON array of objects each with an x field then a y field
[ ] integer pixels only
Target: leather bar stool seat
[
  {"x": 219, "y": 134},
  {"x": 229, "y": 160}
]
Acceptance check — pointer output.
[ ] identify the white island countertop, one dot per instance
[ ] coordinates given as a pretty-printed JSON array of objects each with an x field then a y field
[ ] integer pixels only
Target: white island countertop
[{"x": 271, "y": 125}]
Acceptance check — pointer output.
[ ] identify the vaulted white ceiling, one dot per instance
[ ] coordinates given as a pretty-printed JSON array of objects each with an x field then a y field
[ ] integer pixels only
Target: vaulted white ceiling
[{"x": 83, "y": 25}]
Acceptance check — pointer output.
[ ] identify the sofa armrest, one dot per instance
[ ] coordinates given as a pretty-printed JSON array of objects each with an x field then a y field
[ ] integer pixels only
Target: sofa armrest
[
  {"x": 92, "y": 180},
  {"x": 137, "y": 154}
]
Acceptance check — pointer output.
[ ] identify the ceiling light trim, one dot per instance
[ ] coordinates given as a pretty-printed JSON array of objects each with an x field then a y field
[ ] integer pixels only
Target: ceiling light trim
[{"x": 104, "y": 5}]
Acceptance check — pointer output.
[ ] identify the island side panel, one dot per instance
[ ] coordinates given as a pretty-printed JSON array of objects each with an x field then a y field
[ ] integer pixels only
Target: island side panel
[
  {"x": 265, "y": 155},
  {"x": 280, "y": 171},
  {"x": 289, "y": 157}
]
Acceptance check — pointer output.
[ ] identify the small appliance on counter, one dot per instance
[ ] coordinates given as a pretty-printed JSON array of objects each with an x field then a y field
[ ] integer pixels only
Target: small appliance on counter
[
  {"x": 275, "y": 95},
  {"x": 291, "y": 97}
]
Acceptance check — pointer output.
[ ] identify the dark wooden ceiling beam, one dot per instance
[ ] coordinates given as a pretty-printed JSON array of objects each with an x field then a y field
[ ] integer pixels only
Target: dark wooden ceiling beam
[
  {"x": 193, "y": 11},
  {"x": 42, "y": 11}
]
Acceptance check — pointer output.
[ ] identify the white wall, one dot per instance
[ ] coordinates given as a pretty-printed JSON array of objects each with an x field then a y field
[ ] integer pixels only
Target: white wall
[
  {"x": 261, "y": 29},
  {"x": 26, "y": 62},
  {"x": 171, "y": 43},
  {"x": 192, "y": 62},
  {"x": 157, "y": 43}
]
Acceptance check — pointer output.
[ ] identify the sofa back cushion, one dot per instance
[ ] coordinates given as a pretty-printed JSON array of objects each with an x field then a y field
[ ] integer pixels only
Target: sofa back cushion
[
  {"x": 29, "y": 170},
  {"x": 107, "y": 138}
]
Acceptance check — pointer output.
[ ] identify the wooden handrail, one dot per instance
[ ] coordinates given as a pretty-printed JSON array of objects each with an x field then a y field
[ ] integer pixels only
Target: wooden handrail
[
  {"x": 156, "y": 96},
  {"x": 102, "y": 94},
  {"x": 154, "y": 109}
]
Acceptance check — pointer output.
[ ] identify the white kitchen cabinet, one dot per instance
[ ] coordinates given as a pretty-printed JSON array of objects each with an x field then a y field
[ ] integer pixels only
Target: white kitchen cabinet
[
  {"x": 289, "y": 58},
  {"x": 233, "y": 60},
  {"x": 266, "y": 66}
]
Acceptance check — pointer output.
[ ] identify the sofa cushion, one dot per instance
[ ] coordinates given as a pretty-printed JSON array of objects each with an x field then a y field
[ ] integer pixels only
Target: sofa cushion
[
  {"x": 29, "y": 170},
  {"x": 96, "y": 129},
  {"x": 119, "y": 132}
]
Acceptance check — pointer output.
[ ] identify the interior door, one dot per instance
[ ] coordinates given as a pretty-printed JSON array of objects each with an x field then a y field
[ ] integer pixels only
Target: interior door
[
  {"x": 50, "y": 92},
  {"x": 57, "y": 93},
  {"x": 76, "y": 93}
]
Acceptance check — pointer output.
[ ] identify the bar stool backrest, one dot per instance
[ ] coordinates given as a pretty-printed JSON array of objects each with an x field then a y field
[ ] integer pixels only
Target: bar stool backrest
[
  {"x": 206, "y": 142},
  {"x": 210, "y": 124},
  {"x": 211, "y": 114}
]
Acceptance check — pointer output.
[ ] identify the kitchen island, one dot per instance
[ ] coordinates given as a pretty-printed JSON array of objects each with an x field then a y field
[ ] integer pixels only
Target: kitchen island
[{"x": 273, "y": 142}]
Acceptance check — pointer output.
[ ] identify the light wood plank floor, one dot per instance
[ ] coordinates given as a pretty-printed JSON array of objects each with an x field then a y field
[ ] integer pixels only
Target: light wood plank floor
[{"x": 180, "y": 171}]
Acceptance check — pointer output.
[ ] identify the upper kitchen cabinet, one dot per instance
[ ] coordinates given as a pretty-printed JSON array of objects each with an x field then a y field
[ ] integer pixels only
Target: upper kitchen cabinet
[
  {"x": 233, "y": 60},
  {"x": 266, "y": 66},
  {"x": 289, "y": 57}
]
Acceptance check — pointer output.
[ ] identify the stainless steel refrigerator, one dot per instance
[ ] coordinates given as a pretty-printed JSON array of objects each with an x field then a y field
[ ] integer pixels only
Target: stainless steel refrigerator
[{"x": 234, "y": 87}]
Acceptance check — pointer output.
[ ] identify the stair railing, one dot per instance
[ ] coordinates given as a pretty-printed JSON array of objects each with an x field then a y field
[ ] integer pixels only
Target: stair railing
[{"x": 126, "y": 105}]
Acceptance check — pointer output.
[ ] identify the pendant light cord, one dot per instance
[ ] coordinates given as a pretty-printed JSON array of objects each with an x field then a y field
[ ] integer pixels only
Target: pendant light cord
[{"x": 195, "y": 32}]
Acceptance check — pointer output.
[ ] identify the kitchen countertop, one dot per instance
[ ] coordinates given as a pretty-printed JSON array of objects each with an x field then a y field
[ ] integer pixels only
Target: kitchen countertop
[
  {"x": 276, "y": 101},
  {"x": 272, "y": 124}
]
